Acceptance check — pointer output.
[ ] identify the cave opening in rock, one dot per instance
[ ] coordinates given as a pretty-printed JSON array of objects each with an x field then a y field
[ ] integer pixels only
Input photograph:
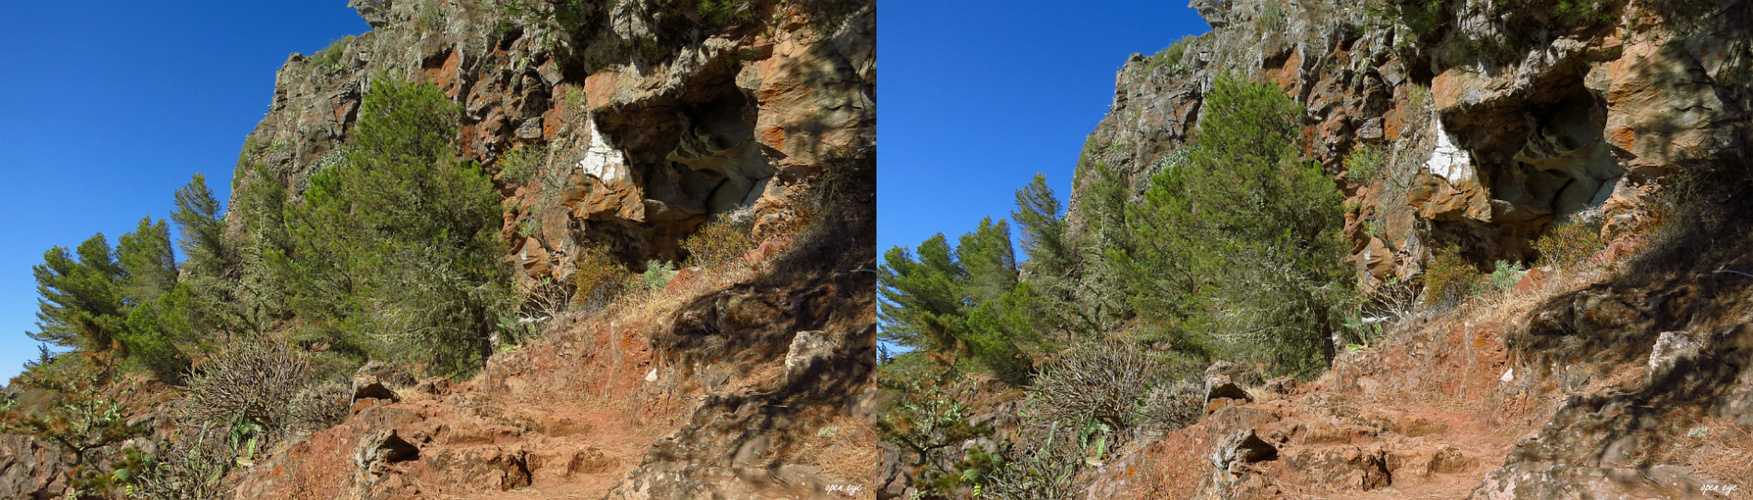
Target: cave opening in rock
[
  {"x": 1543, "y": 162},
  {"x": 693, "y": 158}
]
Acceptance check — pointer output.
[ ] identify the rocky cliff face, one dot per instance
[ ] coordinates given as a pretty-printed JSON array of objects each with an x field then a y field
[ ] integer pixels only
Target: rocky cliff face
[
  {"x": 1493, "y": 129},
  {"x": 629, "y": 123},
  {"x": 1630, "y": 381}
]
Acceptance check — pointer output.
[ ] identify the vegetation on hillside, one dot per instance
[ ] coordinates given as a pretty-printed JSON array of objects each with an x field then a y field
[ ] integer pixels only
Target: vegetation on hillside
[
  {"x": 390, "y": 252},
  {"x": 1231, "y": 251}
]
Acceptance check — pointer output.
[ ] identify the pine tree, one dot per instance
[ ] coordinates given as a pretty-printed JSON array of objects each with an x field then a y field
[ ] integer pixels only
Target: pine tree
[
  {"x": 989, "y": 259},
  {"x": 963, "y": 301},
  {"x": 81, "y": 299},
  {"x": 918, "y": 295},
  {"x": 1240, "y": 238},
  {"x": 1053, "y": 263},
  {"x": 153, "y": 318},
  {"x": 147, "y": 261},
  {"x": 200, "y": 222},
  {"x": 212, "y": 269},
  {"x": 1043, "y": 229},
  {"x": 401, "y": 238}
]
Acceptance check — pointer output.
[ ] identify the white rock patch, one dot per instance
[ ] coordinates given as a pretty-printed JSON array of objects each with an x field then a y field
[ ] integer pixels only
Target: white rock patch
[
  {"x": 1449, "y": 161},
  {"x": 602, "y": 160}
]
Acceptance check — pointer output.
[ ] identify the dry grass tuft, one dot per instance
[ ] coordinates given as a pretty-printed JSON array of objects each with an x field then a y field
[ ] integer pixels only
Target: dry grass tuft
[
  {"x": 1722, "y": 450},
  {"x": 1568, "y": 245},
  {"x": 845, "y": 448},
  {"x": 722, "y": 241}
]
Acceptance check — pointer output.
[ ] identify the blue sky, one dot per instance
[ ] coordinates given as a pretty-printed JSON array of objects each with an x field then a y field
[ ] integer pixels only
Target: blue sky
[
  {"x": 106, "y": 107},
  {"x": 974, "y": 97}
]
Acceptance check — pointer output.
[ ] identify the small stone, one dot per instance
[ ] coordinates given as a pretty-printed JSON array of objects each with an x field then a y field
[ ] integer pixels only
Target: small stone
[
  {"x": 1671, "y": 350},
  {"x": 1241, "y": 374},
  {"x": 550, "y": 73},
  {"x": 807, "y": 348},
  {"x": 1225, "y": 389},
  {"x": 1281, "y": 385},
  {"x": 386, "y": 447},
  {"x": 1243, "y": 446},
  {"x": 372, "y": 389},
  {"x": 1449, "y": 460},
  {"x": 1221, "y": 382},
  {"x": 1371, "y": 130},
  {"x": 530, "y": 130}
]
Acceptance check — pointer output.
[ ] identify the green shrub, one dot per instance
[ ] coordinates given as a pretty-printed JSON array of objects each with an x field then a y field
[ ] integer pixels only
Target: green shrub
[
  {"x": 1365, "y": 163},
  {"x": 720, "y": 11},
  {"x": 1566, "y": 245},
  {"x": 1170, "y": 56},
  {"x": 657, "y": 275},
  {"x": 1172, "y": 406},
  {"x": 926, "y": 424},
  {"x": 1506, "y": 274},
  {"x": 1424, "y": 17},
  {"x": 332, "y": 57},
  {"x": 189, "y": 465},
  {"x": 1418, "y": 98},
  {"x": 519, "y": 164},
  {"x": 431, "y": 17},
  {"x": 1043, "y": 464},
  {"x": 1272, "y": 17},
  {"x": 80, "y": 416},
  {"x": 319, "y": 406}
]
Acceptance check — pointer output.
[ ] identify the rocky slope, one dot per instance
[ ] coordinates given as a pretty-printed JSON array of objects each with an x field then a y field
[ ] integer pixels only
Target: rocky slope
[
  {"x": 624, "y": 125},
  {"x": 744, "y": 386},
  {"x": 647, "y": 117},
  {"x": 1626, "y": 378}
]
